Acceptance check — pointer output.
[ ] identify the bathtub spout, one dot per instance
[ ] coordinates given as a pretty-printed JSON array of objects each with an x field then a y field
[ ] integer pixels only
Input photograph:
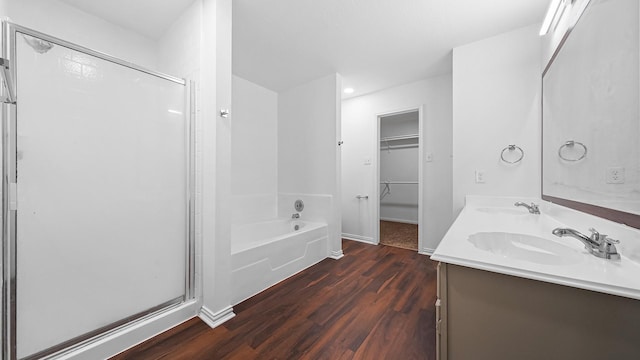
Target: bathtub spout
[{"x": 295, "y": 216}]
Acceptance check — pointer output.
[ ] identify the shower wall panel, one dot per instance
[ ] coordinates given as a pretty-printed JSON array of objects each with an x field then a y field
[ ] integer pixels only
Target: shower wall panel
[{"x": 102, "y": 194}]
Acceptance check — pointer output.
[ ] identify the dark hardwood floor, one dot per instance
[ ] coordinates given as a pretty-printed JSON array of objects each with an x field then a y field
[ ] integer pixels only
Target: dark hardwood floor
[{"x": 375, "y": 303}]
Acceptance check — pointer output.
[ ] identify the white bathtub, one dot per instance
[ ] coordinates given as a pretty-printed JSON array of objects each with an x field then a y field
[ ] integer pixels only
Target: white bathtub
[{"x": 265, "y": 253}]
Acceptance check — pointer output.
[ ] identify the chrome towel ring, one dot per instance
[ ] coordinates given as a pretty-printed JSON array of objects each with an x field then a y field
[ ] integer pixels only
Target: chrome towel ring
[
  {"x": 511, "y": 148},
  {"x": 571, "y": 144}
]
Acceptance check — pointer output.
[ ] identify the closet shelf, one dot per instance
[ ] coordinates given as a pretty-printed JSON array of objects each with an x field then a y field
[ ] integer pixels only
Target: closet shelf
[
  {"x": 400, "y": 137},
  {"x": 392, "y": 147},
  {"x": 397, "y": 182}
]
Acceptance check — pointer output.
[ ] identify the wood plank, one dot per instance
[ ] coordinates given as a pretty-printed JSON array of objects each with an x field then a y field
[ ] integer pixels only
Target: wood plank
[{"x": 377, "y": 302}]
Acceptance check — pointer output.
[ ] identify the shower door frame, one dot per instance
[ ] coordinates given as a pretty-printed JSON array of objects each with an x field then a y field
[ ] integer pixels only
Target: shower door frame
[{"x": 9, "y": 209}]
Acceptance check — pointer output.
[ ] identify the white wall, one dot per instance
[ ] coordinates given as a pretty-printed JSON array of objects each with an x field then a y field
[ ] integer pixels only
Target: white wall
[
  {"x": 198, "y": 47},
  {"x": 178, "y": 49},
  {"x": 254, "y": 152},
  {"x": 308, "y": 133},
  {"x": 359, "y": 126},
  {"x": 68, "y": 23},
  {"x": 216, "y": 161},
  {"x": 496, "y": 102}
]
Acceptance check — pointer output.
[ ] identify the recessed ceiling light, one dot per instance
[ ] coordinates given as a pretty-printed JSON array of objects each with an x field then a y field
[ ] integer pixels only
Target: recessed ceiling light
[{"x": 348, "y": 90}]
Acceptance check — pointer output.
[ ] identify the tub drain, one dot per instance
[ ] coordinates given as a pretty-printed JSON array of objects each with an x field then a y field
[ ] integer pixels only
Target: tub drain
[{"x": 296, "y": 227}]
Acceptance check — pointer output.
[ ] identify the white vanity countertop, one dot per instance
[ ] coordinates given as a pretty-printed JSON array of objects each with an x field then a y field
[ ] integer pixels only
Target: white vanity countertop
[{"x": 585, "y": 271}]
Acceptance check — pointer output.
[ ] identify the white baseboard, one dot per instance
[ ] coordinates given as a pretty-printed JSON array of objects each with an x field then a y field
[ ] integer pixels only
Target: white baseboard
[
  {"x": 336, "y": 254},
  {"x": 364, "y": 239},
  {"x": 426, "y": 251},
  {"x": 403, "y": 221},
  {"x": 131, "y": 335},
  {"x": 216, "y": 319}
]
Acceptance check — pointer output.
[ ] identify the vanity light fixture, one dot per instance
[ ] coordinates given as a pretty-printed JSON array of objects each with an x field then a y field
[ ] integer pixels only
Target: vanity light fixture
[
  {"x": 348, "y": 90},
  {"x": 554, "y": 9}
]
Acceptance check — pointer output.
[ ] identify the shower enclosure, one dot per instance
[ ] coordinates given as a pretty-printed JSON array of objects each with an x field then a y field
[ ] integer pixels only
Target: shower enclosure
[{"x": 97, "y": 194}]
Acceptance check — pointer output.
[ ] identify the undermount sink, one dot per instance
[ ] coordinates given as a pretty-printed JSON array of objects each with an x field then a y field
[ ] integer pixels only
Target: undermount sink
[
  {"x": 503, "y": 211},
  {"x": 525, "y": 248}
]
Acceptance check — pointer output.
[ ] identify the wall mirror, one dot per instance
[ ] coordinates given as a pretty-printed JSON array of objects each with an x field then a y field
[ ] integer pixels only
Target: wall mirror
[{"x": 591, "y": 125}]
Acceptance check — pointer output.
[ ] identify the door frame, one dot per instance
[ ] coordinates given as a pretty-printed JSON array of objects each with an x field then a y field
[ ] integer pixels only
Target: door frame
[{"x": 376, "y": 185}]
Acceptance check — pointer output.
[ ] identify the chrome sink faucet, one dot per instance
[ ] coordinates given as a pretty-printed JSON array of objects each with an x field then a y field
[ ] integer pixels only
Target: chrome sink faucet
[
  {"x": 533, "y": 208},
  {"x": 295, "y": 216},
  {"x": 599, "y": 245}
]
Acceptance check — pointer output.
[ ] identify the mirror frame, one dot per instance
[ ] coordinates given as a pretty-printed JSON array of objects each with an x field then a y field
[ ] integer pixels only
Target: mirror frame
[{"x": 618, "y": 216}]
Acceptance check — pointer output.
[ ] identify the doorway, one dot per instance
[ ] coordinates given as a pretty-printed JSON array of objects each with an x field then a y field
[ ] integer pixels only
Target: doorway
[{"x": 400, "y": 179}]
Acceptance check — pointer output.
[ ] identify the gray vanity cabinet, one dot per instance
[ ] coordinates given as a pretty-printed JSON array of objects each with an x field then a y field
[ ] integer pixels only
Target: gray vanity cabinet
[{"x": 483, "y": 315}]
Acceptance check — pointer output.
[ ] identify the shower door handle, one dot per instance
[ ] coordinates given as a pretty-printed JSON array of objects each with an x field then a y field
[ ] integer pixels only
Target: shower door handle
[
  {"x": 8, "y": 81},
  {"x": 360, "y": 197}
]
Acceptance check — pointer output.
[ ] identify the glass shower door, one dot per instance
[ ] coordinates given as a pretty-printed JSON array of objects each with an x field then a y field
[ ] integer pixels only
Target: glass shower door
[{"x": 101, "y": 213}]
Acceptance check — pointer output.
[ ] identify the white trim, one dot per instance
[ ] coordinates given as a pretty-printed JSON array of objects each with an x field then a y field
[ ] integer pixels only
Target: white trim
[
  {"x": 216, "y": 319},
  {"x": 402, "y": 221},
  {"x": 421, "y": 184},
  {"x": 360, "y": 238},
  {"x": 426, "y": 251},
  {"x": 336, "y": 254},
  {"x": 131, "y": 335}
]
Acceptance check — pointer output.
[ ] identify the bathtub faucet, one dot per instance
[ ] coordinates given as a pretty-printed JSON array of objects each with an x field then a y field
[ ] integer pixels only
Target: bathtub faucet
[{"x": 295, "y": 216}]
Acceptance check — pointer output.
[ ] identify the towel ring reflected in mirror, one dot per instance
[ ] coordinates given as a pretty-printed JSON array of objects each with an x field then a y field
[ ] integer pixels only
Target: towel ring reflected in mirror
[
  {"x": 571, "y": 144},
  {"x": 511, "y": 148}
]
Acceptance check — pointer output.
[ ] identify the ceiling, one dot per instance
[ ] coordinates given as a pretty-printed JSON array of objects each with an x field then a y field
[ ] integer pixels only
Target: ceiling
[
  {"x": 150, "y": 18},
  {"x": 373, "y": 44}
]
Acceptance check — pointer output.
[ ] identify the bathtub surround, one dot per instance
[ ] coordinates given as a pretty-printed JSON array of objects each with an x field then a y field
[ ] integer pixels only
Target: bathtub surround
[
  {"x": 265, "y": 253},
  {"x": 262, "y": 256},
  {"x": 282, "y": 142},
  {"x": 496, "y": 93},
  {"x": 308, "y": 152},
  {"x": 359, "y": 117},
  {"x": 254, "y": 152}
]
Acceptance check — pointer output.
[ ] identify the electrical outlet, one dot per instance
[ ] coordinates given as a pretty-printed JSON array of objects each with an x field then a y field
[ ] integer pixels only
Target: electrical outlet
[
  {"x": 615, "y": 175},
  {"x": 479, "y": 176}
]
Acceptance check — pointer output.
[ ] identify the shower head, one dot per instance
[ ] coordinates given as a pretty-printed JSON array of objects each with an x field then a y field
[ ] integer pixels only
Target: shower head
[{"x": 39, "y": 45}]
